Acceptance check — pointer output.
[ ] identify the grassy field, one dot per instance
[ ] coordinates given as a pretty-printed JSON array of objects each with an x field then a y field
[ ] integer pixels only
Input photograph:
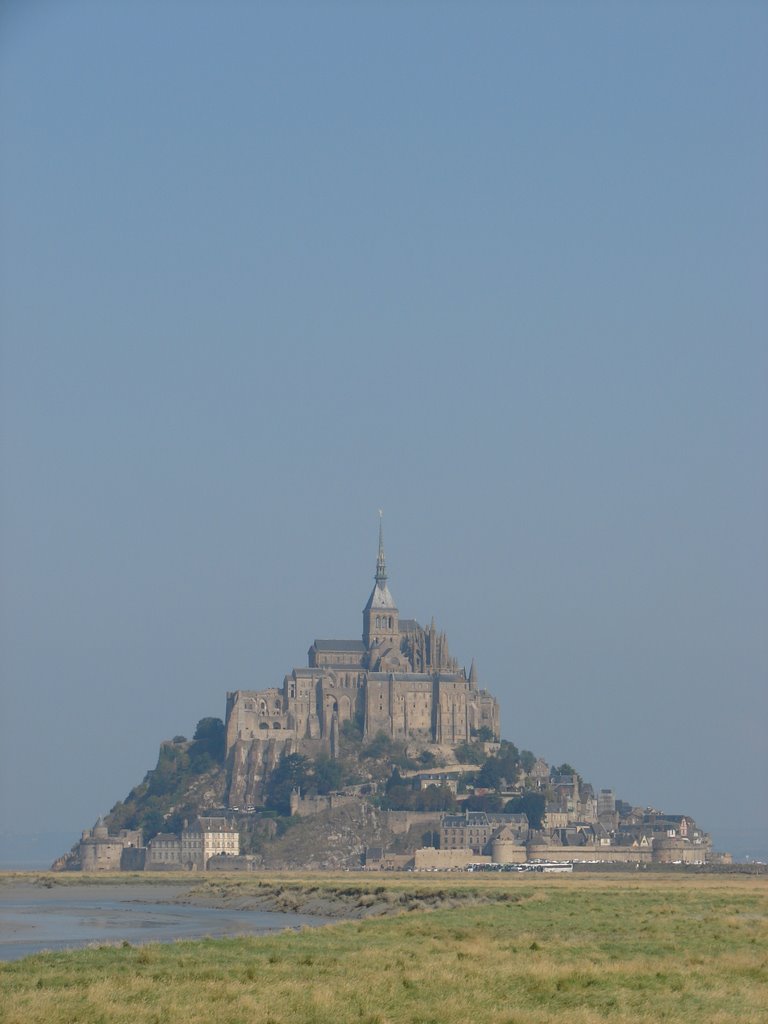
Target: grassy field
[{"x": 576, "y": 949}]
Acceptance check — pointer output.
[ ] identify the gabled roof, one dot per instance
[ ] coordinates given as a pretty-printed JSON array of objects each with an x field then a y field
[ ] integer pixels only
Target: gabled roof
[
  {"x": 212, "y": 824},
  {"x": 340, "y": 645},
  {"x": 471, "y": 818}
]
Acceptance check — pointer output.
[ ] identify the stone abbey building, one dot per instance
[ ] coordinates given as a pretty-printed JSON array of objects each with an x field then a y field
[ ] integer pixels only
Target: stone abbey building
[{"x": 399, "y": 679}]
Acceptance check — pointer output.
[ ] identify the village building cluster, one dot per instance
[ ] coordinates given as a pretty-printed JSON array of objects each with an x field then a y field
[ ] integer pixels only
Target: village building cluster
[{"x": 205, "y": 838}]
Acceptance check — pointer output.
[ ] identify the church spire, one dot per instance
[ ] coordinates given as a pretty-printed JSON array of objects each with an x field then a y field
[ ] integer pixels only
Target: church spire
[
  {"x": 380, "y": 615},
  {"x": 381, "y": 563}
]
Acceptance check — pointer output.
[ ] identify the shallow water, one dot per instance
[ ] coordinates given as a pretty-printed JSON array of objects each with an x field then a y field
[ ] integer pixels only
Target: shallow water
[{"x": 34, "y": 919}]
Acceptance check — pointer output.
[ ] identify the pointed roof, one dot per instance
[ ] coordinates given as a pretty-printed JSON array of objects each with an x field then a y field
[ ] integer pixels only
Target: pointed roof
[
  {"x": 381, "y": 562},
  {"x": 472, "y": 672},
  {"x": 380, "y": 598},
  {"x": 380, "y": 595}
]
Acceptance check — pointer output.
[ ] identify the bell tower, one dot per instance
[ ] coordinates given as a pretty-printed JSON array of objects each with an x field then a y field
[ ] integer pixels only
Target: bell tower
[{"x": 380, "y": 615}]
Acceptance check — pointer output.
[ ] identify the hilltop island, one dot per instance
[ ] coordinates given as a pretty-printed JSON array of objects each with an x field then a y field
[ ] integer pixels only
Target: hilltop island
[{"x": 380, "y": 753}]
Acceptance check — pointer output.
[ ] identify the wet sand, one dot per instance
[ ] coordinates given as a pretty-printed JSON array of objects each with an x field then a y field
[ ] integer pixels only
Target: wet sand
[{"x": 36, "y": 917}]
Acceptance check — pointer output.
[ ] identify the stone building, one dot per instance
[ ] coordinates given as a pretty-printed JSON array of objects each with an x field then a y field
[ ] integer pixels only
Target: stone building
[
  {"x": 474, "y": 830},
  {"x": 399, "y": 679},
  {"x": 163, "y": 853},
  {"x": 206, "y": 838},
  {"x": 100, "y": 851},
  {"x": 506, "y": 839}
]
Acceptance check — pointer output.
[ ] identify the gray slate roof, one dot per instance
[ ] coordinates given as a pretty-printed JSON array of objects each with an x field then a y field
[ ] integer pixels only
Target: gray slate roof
[
  {"x": 409, "y": 626},
  {"x": 340, "y": 645},
  {"x": 380, "y": 598}
]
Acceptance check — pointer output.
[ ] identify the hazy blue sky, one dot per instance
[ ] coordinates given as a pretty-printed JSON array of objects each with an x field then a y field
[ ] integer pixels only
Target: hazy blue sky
[{"x": 499, "y": 269}]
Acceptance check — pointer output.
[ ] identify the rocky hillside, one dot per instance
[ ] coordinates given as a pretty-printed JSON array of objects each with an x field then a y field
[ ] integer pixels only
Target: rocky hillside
[
  {"x": 332, "y": 840},
  {"x": 190, "y": 778}
]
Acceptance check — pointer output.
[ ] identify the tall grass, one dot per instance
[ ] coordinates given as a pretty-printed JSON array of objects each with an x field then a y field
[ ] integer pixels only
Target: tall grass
[{"x": 577, "y": 950}]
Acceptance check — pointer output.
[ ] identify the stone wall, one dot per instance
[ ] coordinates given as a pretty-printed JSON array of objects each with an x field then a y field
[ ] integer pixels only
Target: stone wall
[
  {"x": 306, "y": 806},
  {"x": 401, "y": 822},
  {"x": 444, "y": 860},
  {"x": 133, "y": 858},
  {"x": 674, "y": 850},
  {"x": 244, "y": 862},
  {"x": 505, "y": 851}
]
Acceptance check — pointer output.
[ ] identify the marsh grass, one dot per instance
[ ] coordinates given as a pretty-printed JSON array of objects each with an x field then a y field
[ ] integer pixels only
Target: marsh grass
[{"x": 580, "y": 950}]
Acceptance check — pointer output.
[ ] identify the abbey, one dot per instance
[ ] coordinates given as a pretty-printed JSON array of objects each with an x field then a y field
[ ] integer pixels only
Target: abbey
[{"x": 399, "y": 679}]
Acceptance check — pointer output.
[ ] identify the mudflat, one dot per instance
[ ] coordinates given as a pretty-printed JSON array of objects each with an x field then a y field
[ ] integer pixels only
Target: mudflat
[{"x": 42, "y": 915}]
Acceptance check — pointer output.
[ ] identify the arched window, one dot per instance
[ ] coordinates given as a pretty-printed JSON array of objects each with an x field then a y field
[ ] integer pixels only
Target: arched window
[{"x": 378, "y": 622}]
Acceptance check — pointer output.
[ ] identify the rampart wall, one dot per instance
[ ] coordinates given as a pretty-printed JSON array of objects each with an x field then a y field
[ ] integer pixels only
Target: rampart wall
[
  {"x": 306, "y": 806},
  {"x": 443, "y": 860},
  {"x": 401, "y": 822}
]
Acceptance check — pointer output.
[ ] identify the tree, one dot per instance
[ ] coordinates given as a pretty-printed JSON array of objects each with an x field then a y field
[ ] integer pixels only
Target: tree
[
  {"x": 470, "y": 753},
  {"x": 490, "y": 775},
  {"x": 209, "y": 739},
  {"x": 531, "y": 804},
  {"x": 461, "y": 786},
  {"x": 170, "y": 772},
  {"x": 399, "y": 798},
  {"x": 351, "y": 730},
  {"x": 491, "y": 802},
  {"x": 123, "y": 816},
  {"x": 380, "y": 746},
  {"x": 291, "y": 772},
  {"x": 527, "y": 760},
  {"x": 501, "y": 767},
  {"x": 151, "y": 818},
  {"x": 508, "y": 750},
  {"x": 151, "y": 823},
  {"x": 327, "y": 774},
  {"x": 435, "y": 798},
  {"x": 484, "y": 734}
]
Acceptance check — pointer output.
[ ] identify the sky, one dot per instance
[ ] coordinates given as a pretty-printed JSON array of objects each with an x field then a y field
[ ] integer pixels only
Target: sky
[{"x": 497, "y": 269}]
